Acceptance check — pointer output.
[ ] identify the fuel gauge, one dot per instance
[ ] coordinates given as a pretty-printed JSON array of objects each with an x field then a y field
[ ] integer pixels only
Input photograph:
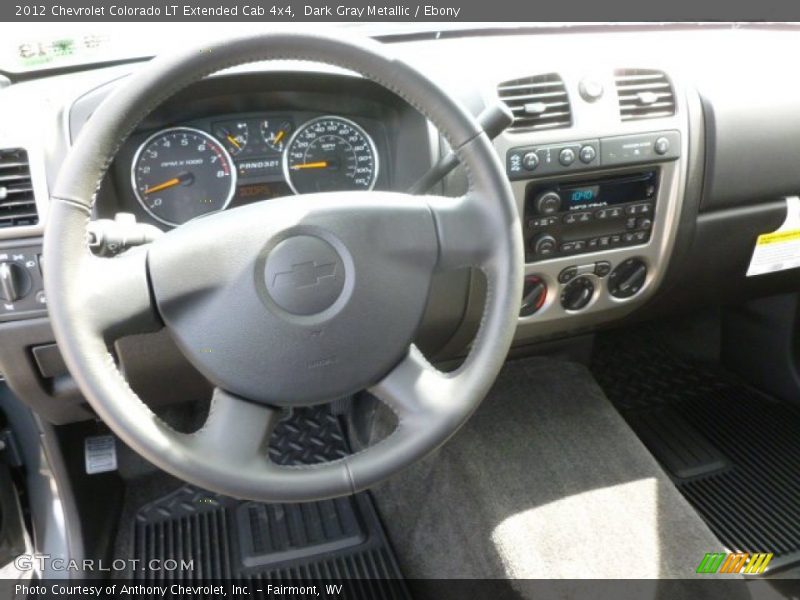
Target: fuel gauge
[
  {"x": 233, "y": 135},
  {"x": 275, "y": 133}
]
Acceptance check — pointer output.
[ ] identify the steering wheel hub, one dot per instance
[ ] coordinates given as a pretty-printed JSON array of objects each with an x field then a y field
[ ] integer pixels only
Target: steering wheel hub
[{"x": 304, "y": 275}]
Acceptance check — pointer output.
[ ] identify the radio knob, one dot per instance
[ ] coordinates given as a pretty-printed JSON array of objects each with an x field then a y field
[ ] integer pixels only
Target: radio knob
[
  {"x": 548, "y": 203},
  {"x": 545, "y": 245}
]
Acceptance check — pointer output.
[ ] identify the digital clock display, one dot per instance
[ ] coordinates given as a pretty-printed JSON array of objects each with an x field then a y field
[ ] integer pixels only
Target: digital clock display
[{"x": 585, "y": 194}]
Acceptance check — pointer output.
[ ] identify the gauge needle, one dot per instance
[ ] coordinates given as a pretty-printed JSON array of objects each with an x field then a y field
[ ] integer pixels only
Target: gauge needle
[
  {"x": 312, "y": 165},
  {"x": 183, "y": 178},
  {"x": 233, "y": 141},
  {"x": 164, "y": 185},
  {"x": 278, "y": 136}
]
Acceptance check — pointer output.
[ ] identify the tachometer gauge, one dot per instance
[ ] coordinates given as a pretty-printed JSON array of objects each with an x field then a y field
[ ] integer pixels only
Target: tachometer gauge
[
  {"x": 234, "y": 136},
  {"x": 181, "y": 173},
  {"x": 330, "y": 154},
  {"x": 275, "y": 133}
]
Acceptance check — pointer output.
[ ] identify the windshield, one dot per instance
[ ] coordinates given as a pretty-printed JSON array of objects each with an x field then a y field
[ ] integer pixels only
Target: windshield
[{"x": 29, "y": 47}]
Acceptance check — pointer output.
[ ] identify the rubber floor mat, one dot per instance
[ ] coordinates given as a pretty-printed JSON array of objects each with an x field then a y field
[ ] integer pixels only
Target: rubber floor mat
[
  {"x": 286, "y": 544},
  {"x": 732, "y": 451}
]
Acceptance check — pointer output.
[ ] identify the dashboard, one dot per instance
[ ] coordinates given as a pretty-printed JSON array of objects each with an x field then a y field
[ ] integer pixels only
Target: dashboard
[{"x": 642, "y": 181}]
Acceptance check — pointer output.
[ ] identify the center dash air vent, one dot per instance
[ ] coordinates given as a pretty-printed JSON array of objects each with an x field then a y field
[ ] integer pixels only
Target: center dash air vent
[
  {"x": 644, "y": 94},
  {"x": 538, "y": 102},
  {"x": 17, "y": 203}
]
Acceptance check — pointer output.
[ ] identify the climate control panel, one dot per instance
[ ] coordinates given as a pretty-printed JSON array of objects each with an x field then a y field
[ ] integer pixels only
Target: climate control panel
[
  {"x": 579, "y": 285},
  {"x": 21, "y": 287}
]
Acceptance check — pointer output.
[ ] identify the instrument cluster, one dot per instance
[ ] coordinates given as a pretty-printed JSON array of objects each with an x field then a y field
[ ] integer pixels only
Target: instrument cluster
[{"x": 182, "y": 172}]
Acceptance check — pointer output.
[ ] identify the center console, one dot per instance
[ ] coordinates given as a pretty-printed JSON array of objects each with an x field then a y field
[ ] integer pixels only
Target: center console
[{"x": 599, "y": 202}]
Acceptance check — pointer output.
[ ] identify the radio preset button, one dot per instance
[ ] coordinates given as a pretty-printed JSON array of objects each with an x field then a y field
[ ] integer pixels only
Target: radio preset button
[
  {"x": 577, "y": 217},
  {"x": 587, "y": 154},
  {"x": 645, "y": 208},
  {"x": 566, "y": 157}
]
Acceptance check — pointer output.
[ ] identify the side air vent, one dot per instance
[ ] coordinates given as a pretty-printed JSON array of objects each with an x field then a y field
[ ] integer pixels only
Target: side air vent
[
  {"x": 644, "y": 94},
  {"x": 538, "y": 102},
  {"x": 17, "y": 204}
]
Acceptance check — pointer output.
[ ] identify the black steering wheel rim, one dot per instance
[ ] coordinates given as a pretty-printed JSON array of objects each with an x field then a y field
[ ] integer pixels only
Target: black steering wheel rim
[{"x": 227, "y": 454}]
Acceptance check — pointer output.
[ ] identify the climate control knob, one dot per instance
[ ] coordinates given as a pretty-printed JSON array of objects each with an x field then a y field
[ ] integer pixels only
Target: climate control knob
[
  {"x": 577, "y": 293},
  {"x": 534, "y": 293},
  {"x": 628, "y": 278},
  {"x": 15, "y": 282},
  {"x": 547, "y": 203}
]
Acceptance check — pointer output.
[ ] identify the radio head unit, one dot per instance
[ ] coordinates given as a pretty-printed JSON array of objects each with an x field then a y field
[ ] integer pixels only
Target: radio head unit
[{"x": 587, "y": 215}]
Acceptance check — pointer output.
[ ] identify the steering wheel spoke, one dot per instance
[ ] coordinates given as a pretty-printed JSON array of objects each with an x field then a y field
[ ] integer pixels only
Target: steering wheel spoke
[
  {"x": 116, "y": 295},
  {"x": 461, "y": 225},
  {"x": 415, "y": 390},
  {"x": 236, "y": 427}
]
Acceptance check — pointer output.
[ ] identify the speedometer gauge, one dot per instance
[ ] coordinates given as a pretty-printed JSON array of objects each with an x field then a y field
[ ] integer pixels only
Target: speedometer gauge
[
  {"x": 181, "y": 173},
  {"x": 330, "y": 154}
]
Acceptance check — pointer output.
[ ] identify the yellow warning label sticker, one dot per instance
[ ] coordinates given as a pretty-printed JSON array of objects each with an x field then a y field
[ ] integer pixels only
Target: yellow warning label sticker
[
  {"x": 780, "y": 249},
  {"x": 778, "y": 237}
]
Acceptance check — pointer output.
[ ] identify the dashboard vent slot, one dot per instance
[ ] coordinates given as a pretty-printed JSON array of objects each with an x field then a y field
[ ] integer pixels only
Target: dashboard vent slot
[
  {"x": 538, "y": 102},
  {"x": 17, "y": 203},
  {"x": 644, "y": 94}
]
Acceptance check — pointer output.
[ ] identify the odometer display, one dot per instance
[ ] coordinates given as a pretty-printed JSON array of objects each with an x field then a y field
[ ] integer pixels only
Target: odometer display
[
  {"x": 181, "y": 173},
  {"x": 330, "y": 154}
]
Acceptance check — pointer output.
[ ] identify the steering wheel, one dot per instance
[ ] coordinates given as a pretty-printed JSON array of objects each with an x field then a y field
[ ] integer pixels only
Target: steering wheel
[{"x": 222, "y": 286}]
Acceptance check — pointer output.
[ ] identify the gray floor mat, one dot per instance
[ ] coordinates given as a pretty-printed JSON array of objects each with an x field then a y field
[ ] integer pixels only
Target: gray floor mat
[{"x": 545, "y": 481}]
